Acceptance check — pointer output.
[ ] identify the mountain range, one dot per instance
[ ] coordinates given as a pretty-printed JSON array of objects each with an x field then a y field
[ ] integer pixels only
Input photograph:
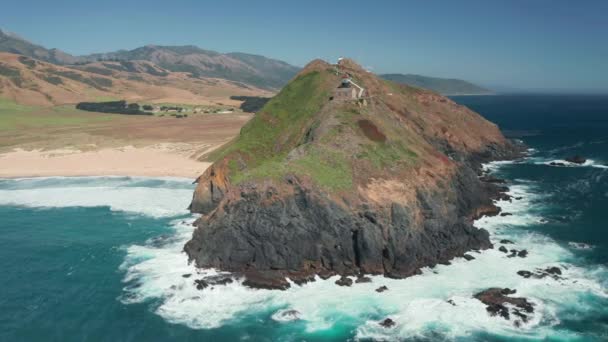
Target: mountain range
[
  {"x": 257, "y": 71},
  {"x": 158, "y": 64},
  {"x": 444, "y": 86}
]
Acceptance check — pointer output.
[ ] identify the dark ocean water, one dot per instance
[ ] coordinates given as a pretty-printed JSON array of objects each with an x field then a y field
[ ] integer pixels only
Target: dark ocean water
[{"x": 99, "y": 258}]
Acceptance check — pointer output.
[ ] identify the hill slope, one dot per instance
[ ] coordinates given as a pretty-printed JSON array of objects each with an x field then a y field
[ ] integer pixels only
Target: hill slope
[
  {"x": 258, "y": 71},
  {"x": 444, "y": 86},
  {"x": 9, "y": 42},
  {"x": 32, "y": 82},
  {"x": 320, "y": 186},
  {"x": 253, "y": 70}
]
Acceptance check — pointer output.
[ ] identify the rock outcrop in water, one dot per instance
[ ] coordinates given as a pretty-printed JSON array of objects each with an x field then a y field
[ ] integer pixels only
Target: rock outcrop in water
[{"x": 385, "y": 184}]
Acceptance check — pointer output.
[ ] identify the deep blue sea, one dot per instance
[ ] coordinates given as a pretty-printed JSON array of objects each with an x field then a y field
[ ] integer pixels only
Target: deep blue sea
[{"x": 100, "y": 258}]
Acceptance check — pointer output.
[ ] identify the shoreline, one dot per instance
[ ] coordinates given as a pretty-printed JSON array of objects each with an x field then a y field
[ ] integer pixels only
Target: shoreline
[{"x": 161, "y": 160}]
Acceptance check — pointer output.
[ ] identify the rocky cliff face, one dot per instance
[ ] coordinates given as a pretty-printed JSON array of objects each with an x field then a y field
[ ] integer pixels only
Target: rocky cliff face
[{"x": 314, "y": 186}]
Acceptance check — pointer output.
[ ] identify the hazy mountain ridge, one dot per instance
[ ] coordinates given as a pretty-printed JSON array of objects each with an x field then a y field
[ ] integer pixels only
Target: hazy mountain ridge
[
  {"x": 30, "y": 81},
  {"x": 11, "y": 42},
  {"x": 444, "y": 86},
  {"x": 257, "y": 71},
  {"x": 245, "y": 69}
]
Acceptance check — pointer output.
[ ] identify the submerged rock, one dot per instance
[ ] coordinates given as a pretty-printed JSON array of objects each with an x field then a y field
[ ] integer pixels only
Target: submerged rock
[
  {"x": 286, "y": 315},
  {"x": 382, "y": 289},
  {"x": 576, "y": 160},
  {"x": 388, "y": 323},
  {"x": 580, "y": 245}
]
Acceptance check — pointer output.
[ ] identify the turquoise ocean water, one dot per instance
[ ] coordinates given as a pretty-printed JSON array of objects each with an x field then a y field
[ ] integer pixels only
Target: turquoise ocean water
[{"x": 100, "y": 258}]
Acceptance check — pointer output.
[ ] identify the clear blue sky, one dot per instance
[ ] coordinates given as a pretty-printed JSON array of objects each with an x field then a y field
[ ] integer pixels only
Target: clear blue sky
[{"x": 524, "y": 44}]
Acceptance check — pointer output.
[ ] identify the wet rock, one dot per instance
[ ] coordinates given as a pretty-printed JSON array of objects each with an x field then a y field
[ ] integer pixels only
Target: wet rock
[
  {"x": 201, "y": 284},
  {"x": 496, "y": 298},
  {"x": 506, "y": 242},
  {"x": 576, "y": 160},
  {"x": 521, "y": 315},
  {"x": 557, "y": 164},
  {"x": 513, "y": 253},
  {"x": 326, "y": 274},
  {"x": 525, "y": 274},
  {"x": 507, "y": 291},
  {"x": 468, "y": 257},
  {"x": 503, "y": 249},
  {"x": 187, "y": 275},
  {"x": 451, "y": 302},
  {"x": 219, "y": 280},
  {"x": 518, "y": 198},
  {"x": 554, "y": 270},
  {"x": 491, "y": 179},
  {"x": 269, "y": 280},
  {"x": 505, "y": 214},
  {"x": 522, "y": 254},
  {"x": 301, "y": 277},
  {"x": 344, "y": 281},
  {"x": 363, "y": 279},
  {"x": 382, "y": 289},
  {"x": 486, "y": 210},
  {"x": 388, "y": 323}
]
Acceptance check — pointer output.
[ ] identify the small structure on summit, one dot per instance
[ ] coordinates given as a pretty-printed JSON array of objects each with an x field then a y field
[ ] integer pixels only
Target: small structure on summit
[{"x": 348, "y": 90}]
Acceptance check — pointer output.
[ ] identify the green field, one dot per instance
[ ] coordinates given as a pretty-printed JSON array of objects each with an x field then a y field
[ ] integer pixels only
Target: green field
[{"x": 14, "y": 116}]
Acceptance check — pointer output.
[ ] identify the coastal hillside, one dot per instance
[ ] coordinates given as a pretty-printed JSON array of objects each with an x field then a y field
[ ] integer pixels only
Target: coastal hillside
[
  {"x": 254, "y": 70},
  {"x": 345, "y": 173},
  {"x": 247, "y": 69},
  {"x": 29, "y": 81},
  {"x": 444, "y": 86}
]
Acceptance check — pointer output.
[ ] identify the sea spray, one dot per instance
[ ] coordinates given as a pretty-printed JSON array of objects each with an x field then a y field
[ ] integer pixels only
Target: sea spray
[{"x": 439, "y": 300}]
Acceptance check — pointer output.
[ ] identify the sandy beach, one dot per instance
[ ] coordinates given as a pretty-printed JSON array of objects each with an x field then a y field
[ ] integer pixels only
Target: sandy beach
[{"x": 175, "y": 160}]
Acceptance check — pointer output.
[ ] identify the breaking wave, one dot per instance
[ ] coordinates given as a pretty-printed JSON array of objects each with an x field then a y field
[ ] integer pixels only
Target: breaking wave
[
  {"x": 164, "y": 197},
  {"x": 436, "y": 303}
]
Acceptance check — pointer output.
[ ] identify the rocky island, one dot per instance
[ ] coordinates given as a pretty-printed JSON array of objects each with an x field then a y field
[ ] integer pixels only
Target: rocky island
[{"x": 326, "y": 180}]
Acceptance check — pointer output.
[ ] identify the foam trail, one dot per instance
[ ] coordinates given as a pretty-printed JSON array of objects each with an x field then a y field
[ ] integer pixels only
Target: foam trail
[
  {"x": 147, "y": 196},
  {"x": 565, "y": 163}
]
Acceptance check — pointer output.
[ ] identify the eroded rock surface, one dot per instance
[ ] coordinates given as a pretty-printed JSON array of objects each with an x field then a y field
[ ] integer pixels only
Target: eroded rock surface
[{"x": 306, "y": 190}]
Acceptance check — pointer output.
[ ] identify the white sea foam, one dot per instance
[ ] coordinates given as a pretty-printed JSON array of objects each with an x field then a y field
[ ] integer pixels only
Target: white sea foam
[
  {"x": 147, "y": 196},
  {"x": 419, "y": 304},
  {"x": 565, "y": 163}
]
